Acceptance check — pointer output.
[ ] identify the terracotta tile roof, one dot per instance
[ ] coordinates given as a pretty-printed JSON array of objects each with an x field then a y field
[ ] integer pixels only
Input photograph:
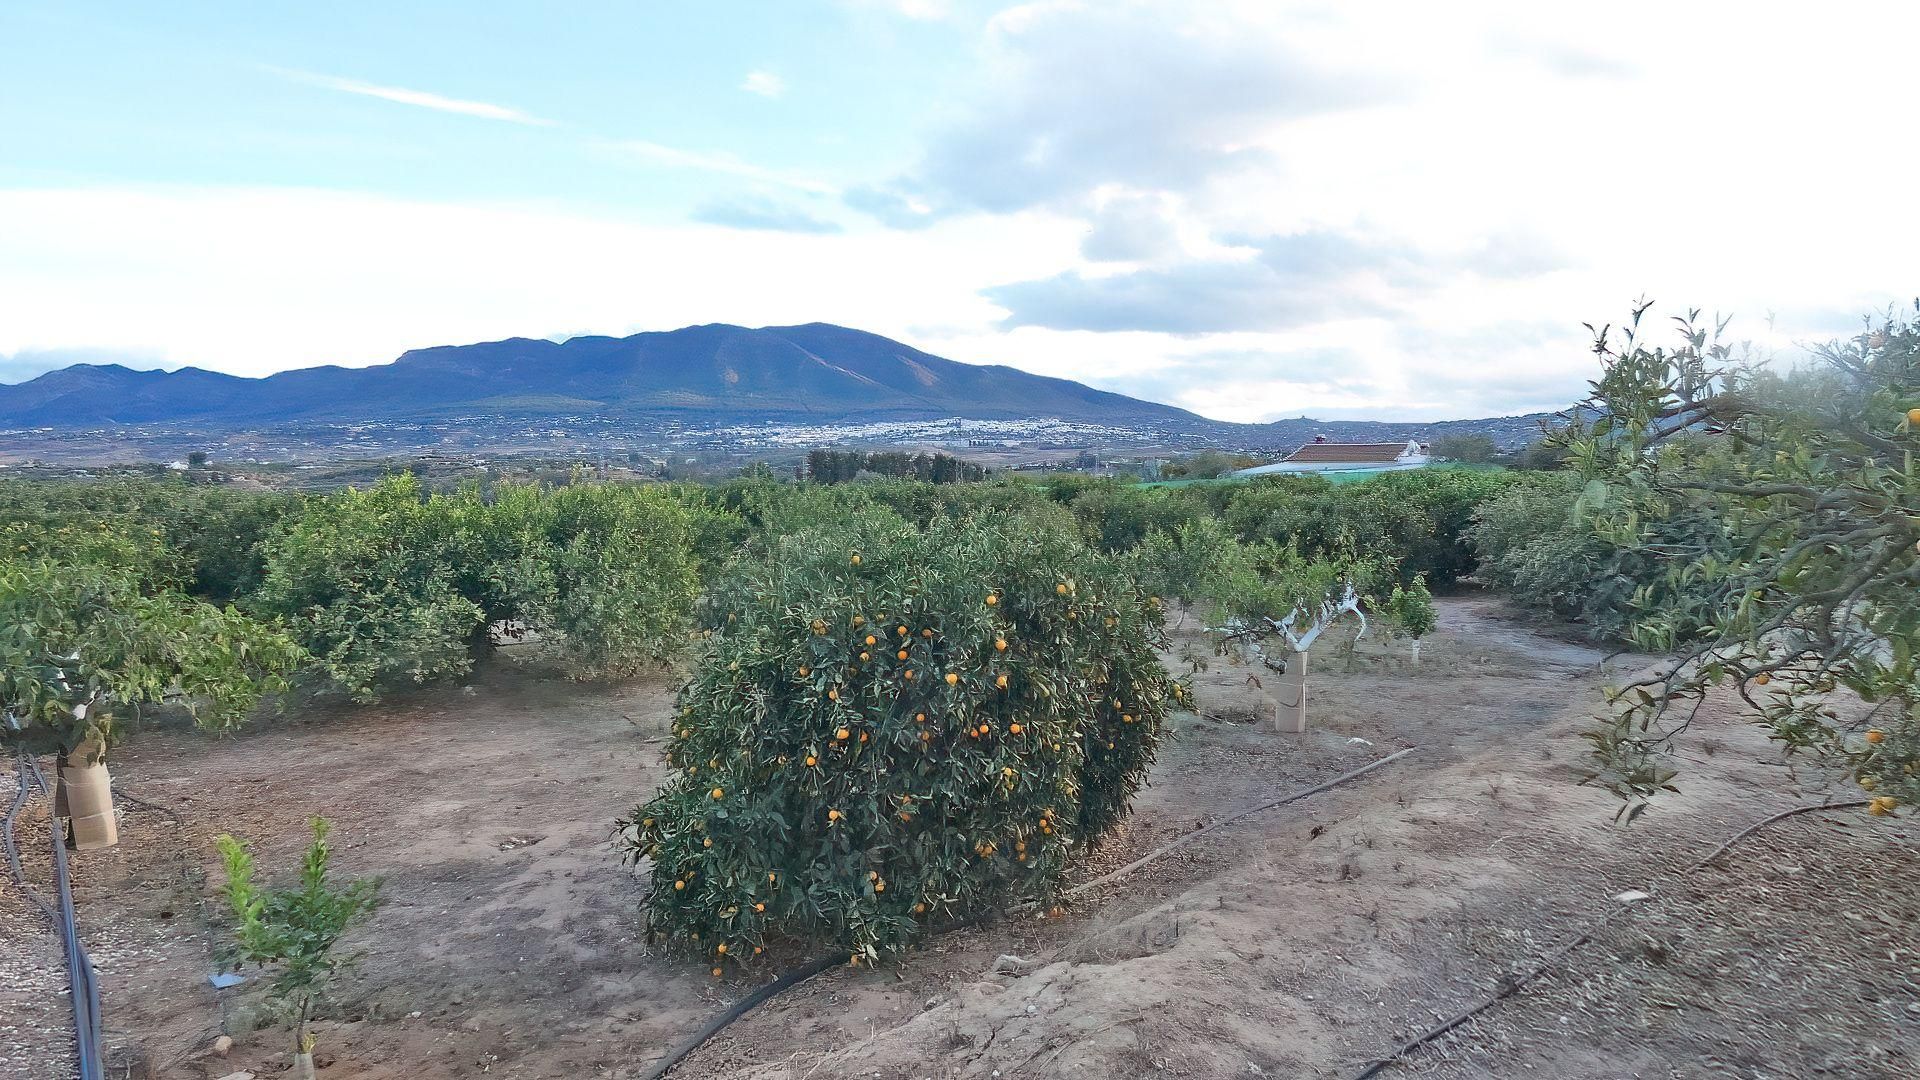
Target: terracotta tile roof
[{"x": 1369, "y": 453}]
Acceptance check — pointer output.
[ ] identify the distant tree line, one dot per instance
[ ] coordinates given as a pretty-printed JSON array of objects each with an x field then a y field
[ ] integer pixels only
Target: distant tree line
[{"x": 839, "y": 466}]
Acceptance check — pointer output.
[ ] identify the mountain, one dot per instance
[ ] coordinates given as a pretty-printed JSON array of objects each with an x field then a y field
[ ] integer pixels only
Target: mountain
[{"x": 707, "y": 374}]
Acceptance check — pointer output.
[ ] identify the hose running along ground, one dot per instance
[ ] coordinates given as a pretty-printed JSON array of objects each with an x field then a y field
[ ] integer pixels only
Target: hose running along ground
[
  {"x": 1559, "y": 952},
  {"x": 83, "y": 984},
  {"x": 814, "y": 967}
]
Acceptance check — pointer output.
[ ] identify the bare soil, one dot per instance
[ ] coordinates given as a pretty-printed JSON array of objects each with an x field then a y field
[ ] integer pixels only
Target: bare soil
[{"x": 1304, "y": 941}]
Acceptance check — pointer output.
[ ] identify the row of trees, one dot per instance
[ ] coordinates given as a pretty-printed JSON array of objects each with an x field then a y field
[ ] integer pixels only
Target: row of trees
[{"x": 840, "y": 466}]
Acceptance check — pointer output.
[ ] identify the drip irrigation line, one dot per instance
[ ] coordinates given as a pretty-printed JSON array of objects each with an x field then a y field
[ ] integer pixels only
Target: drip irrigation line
[
  {"x": 814, "y": 967},
  {"x": 1189, "y": 838},
  {"x": 1512, "y": 986},
  {"x": 82, "y": 982},
  {"x": 740, "y": 1008}
]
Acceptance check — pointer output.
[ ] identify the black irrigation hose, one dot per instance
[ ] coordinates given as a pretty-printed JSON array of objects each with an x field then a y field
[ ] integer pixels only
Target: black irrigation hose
[
  {"x": 740, "y": 1008},
  {"x": 814, "y": 967},
  {"x": 84, "y": 986},
  {"x": 1512, "y": 985}
]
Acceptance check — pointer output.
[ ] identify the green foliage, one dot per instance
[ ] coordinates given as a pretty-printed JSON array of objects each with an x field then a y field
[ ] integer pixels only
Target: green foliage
[
  {"x": 1410, "y": 607},
  {"x": 1770, "y": 529},
  {"x": 364, "y": 582},
  {"x": 80, "y": 643},
  {"x": 203, "y": 540},
  {"x": 295, "y": 929},
  {"x": 390, "y": 585},
  {"x": 829, "y": 788}
]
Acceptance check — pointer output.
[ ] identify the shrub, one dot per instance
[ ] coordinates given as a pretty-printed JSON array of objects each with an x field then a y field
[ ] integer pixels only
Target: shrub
[
  {"x": 892, "y": 728},
  {"x": 363, "y": 581}
]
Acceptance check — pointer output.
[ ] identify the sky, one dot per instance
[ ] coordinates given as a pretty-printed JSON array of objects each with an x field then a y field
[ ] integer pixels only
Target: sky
[{"x": 1253, "y": 209}]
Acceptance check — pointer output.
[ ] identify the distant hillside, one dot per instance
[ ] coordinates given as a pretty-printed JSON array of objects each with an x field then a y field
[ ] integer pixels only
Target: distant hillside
[
  {"x": 710, "y": 373},
  {"x": 1507, "y": 432}
]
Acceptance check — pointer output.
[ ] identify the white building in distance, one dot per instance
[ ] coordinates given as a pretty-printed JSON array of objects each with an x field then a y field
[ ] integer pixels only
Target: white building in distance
[{"x": 1323, "y": 456}]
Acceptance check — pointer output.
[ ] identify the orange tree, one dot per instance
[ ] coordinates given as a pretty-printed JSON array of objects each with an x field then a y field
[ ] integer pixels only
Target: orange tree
[
  {"x": 1774, "y": 521},
  {"x": 890, "y": 729}
]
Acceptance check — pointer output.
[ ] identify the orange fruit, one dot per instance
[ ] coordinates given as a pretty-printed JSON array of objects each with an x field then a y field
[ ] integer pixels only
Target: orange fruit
[
  {"x": 1913, "y": 416},
  {"x": 919, "y": 909},
  {"x": 918, "y": 718},
  {"x": 1876, "y": 736},
  {"x": 721, "y": 948},
  {"x": 833, "y": 815},
  {"x": 903, "y": 631},
  {"x": 718, "y": 793},
  {"x": 864, "y": 657},
  {"x": 879, "y": 886},
  {"x": 679, "y": 885},
  {"x": 1001, "y": 682},
  {"x": 1013, "y": 729},
  {"x": 984, "y": 729},
  {"x": 863, "y": 736},
  {"x": 1000, "y": 644},
  {"x": 926, "y": 736},
  {"x": 708, "y": 842},
  {"x": 716, "y": 973},
  {"x": 756, "y": 950},
  {"x": 842, "y": 734},
  {"x": 909, "y": 675},
  {"x": 759, "y": 907},
  {"x": 833, "y": 695},
  {"x": 871, "y": 640},
  {"x": 1060, "y": 589},
  {"x": 805, "y": 671},
  {"x": 952, "y": 679},
  {"x": 927, "y": 633},
  {"x": 902, "y": 654},
  {"x": 1762, "y": 679},
  {"x": 992, "y": 599},
  {"x": 772, "y": 878},
  {"x": 811, "y": 759},
  {"x": 858, "y": 619},
  {"x": 856, "y": 560}
]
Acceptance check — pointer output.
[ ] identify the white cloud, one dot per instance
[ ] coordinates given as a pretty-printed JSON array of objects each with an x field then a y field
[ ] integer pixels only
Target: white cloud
[
  {"x": 714, "y": 162},
  {"x": 253, "y": 280},
  {"x": 764, "y": 83},
  {"x": 419, "y": 98}
]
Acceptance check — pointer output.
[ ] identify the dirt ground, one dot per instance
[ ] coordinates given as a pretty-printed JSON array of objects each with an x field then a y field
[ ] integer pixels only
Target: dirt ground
[{"x": 1304, "y": 941}]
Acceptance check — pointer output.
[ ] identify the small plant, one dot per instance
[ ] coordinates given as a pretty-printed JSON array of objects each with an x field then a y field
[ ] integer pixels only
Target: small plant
[
  {"x": 294, "y": 928},
  {"x": 1410, "y": 608}
]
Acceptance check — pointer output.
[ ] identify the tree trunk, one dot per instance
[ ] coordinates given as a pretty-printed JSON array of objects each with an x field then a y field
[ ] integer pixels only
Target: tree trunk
[{"x": 1290, "y": 693}]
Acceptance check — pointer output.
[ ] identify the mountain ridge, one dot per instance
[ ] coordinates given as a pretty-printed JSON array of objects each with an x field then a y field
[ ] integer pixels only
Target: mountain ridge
[
  {"x": 814, "y": 370},
  {"x": 708, "y": 376}
]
